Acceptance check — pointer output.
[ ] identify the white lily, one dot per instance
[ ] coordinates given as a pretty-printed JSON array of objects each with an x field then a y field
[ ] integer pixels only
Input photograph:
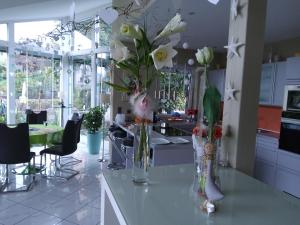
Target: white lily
[
  {"x": 163, "y": 55},
  {"x": 175, "y": 25},
  {"x": 119, "y": 52},
  {"x": 131, "y": 31}
]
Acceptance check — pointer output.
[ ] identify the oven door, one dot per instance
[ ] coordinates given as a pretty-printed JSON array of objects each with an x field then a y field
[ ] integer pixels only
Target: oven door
[
  {"x": 290, "y": 135},
  {"x": 292, "y": 98}
]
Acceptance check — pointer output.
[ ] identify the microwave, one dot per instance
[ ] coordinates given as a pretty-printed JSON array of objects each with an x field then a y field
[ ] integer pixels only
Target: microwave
[{"x": 291, "y": 98}]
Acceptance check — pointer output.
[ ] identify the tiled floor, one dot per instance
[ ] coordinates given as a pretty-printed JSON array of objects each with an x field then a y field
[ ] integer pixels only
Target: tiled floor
[{"x": 57, "y": 202}]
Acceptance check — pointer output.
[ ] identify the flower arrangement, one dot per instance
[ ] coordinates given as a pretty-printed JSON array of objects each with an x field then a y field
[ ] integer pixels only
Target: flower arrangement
[
  {"x": 142, "y": 65},
  {"x": 212, "y": 97},
  {"x": 209, "y": 132},
  {"x": 143, "y": 62}
]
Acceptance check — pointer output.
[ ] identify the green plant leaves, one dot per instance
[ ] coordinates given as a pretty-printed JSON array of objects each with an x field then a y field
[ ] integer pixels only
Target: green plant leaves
[
  {"x": 211, "y": 106},
  {"x": 118, "y": 87},
  {"x": 93, "y": 119}
]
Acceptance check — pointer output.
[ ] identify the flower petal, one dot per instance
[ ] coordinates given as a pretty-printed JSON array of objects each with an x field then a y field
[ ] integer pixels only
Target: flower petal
[
  {"x": 175, "y": 25},
  {"x": 163, "y": 55}
]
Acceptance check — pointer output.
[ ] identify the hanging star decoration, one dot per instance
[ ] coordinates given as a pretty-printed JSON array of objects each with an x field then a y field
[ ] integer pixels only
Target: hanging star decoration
[
  {"x": 230, "y": 92},
  {"x": 234, "y": 9},
  {"x": 232, "y": 48}
]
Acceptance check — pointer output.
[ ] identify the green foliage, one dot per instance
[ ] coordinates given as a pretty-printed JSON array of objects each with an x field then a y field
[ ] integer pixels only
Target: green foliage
[
  {"x": 211, "y": 106},
  {"x": 139, "y": 67},
  {"x": 93, "y": 119},
  {"x": 105, "y": 34},
  {"x": 176, "y": 86},
  {"x": 2, "y": 119}
]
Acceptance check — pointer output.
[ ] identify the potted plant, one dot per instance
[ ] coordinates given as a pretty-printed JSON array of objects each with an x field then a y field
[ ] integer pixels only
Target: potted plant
[{"x": 93, "y": 122}]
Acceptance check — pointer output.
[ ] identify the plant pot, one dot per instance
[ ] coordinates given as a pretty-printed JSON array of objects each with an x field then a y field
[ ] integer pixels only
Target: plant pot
[{"x": 94, "y": 142}]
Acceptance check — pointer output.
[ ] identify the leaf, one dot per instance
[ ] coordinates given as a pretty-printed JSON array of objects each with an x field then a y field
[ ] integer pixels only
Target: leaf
[
  {"x": 211, "y": 106},
  {"x": 118, "y": 87},
  {"x": 150, "y": 80},
  {"x": 128, "y": 67}
]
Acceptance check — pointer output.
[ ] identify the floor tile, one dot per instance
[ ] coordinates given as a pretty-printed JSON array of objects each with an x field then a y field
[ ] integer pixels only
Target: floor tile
[
  {"x": 41, "y": 201},
  {"x": 4, "y": 203},
  {"x": 96, "y": 203},
  {"x": 63, "y": 208},
  {"x": 56, "y": 201},
  {"x": 15, "y": 214},
  {"x": 21, "y": 196},
  {"x": 40, "y": 218},
  {"x": 65, "y": 222},
  {"x": 85, "y": 216}
]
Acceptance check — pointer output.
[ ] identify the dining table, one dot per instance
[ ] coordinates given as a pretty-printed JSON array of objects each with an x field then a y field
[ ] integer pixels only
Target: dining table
[{"x": 41, "y": 135}]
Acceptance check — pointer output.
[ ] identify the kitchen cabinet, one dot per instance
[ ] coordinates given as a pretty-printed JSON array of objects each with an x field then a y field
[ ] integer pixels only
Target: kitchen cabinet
[
  {"x": 277, "y": 167},
  {"x": 280, "y": 82},
  {"x": 267, "y": 84},
  {"x": 266, "y": 157},
  {"x": 217, "y": 78},
  {"x": 265, "y": 171},
  {"x": 288, "y": 181},
  {"x": 293, "y": 70}
]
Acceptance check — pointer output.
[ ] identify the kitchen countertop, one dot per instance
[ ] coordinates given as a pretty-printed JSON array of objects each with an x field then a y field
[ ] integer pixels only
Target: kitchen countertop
[
  {"x": 169, "y": 199},
  {"x": 268, "y": 133}
]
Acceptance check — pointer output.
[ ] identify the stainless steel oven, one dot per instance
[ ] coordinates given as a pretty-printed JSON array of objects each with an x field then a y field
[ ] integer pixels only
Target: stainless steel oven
[
  {"x": 290, "y": 133},
  {"x": 291, "y": 98}
]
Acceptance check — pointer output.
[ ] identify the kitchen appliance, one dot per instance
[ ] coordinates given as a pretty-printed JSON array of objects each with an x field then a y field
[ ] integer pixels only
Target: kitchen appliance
[
  {"x": 291, "y": 98},
  {"x": 290, "y": 132}
]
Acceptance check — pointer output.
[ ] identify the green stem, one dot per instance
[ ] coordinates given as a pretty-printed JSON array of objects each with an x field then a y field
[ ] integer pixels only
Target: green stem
[{"x": 205, "y": 74}]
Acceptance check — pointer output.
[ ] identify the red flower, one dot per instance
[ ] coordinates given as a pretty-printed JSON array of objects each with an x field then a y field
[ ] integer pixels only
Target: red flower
[
  {"x": 196, "y": 130},
  {"x": 217, "y": 132},
  {"x": 192, "y": 112}
]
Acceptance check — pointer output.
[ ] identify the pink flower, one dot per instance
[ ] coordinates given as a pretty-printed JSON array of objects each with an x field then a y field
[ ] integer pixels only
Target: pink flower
[{"x": 143, "y": 106}]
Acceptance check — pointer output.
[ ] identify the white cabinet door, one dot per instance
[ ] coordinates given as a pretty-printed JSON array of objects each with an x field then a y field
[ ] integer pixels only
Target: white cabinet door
[
  {"x": 265, "y": 171},
  {"x": 288, "y": 181},
  {"x": 267, "y": 84}
]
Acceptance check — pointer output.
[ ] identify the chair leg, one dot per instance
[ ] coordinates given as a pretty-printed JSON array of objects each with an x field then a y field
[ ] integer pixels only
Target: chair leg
[
  {"x": 6, "y": 181},
  {"x": 58, "y": 168},
  {"x": 6, "y": 174},
  {"x": 71, "y": 161},
  {"x": 33, "y": 177},
  {"x": 24, "y": 188}
]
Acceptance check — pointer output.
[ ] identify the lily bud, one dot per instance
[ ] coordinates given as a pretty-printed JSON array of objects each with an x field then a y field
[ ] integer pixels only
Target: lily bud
[{"x": 205, "y": 56}]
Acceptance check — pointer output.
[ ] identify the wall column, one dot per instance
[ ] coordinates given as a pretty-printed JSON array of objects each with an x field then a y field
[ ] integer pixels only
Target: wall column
[{"x": 243, "y": 73}]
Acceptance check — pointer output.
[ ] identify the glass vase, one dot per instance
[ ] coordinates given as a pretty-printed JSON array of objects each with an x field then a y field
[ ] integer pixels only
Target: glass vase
[
  {"x": 206, "y": 162},
  {"x": 141, "y": 154}
]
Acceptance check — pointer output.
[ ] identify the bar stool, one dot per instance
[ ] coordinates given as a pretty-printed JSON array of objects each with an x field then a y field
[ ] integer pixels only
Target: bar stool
[
  {"x": 117, "y": 159},
  {"x": 127, "y": 148}
]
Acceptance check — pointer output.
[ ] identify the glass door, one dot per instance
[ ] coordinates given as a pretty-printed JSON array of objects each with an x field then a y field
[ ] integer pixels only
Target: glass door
[
  {"x": 3, "y": 62},
  {"x": 82, "y": 77}
]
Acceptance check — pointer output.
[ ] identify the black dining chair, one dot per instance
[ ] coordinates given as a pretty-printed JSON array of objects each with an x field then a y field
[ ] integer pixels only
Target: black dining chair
[
  {"x": 36, "y": 118},
  {"x": 67, "y": 147},
  {"x": 71, "y": 160},
  {"x": 15, "y": 149},
  {"x": 79, "y": 127}
]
